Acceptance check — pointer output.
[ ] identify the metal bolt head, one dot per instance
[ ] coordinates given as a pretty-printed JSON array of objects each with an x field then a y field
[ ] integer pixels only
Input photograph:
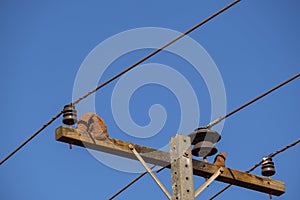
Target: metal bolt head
[{"x": 131, "y": 147}]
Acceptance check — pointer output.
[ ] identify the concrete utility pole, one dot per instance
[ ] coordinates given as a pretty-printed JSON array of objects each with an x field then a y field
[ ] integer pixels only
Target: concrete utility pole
[
  {"x": 182, "y": 168},
  {"x": 180, "y": 161}
]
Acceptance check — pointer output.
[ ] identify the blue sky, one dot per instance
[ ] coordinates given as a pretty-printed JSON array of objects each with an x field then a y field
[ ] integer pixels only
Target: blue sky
[{"x": 255, "y": 45}]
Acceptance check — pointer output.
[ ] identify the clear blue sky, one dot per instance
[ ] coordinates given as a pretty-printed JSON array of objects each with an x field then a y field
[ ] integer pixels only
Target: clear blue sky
[{"x": 255, "y": 45}]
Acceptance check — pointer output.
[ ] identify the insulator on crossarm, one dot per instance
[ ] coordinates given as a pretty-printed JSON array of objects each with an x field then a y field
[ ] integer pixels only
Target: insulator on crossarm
[
  {"x": 204, "y": 149},
  {"x": 267, "y": 167},
  {"x": 69, "y": 115},
  {"x": 203, "y": 140}
]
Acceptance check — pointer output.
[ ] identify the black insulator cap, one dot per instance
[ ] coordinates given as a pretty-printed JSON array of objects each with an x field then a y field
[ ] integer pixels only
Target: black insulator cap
[
  {"x": 204, "y": 134},
  {"x": 267, "y": 167},
  {"x": 204, "y": 149},
  {"x": 69, "y": 115},
  {"x": 203, "y": 140}
]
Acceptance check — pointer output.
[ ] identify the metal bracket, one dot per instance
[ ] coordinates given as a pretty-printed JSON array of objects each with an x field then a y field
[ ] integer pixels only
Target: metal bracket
[
  {"x": 209, "y": 181},
  {"x": 139, "y": 157}
]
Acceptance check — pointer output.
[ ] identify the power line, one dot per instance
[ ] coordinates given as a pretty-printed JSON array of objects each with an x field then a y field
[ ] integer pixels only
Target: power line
[
  {"x": 258, "y": 164},
  {"x": 31, "y": 137},
  {"x": 157, "y": 51},
  {"x": 129, "y": 184},
  {"x": 274, "y": 154},
  {"x": 215, "y": 122},
  {"x": 120, "y": 74}
]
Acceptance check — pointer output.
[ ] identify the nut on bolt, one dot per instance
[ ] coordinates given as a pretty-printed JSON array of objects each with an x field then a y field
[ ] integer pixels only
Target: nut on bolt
[{"x": 131, "y": 147}]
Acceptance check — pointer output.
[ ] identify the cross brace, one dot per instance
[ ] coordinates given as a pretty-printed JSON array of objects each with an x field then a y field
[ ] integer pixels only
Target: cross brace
[{"x": 161, "y": 158}]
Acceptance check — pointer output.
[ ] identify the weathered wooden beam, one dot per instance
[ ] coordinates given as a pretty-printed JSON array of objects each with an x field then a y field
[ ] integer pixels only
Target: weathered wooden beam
[
  {"x": 111, "y": 146},
  {"x": 161, "y": 158}
]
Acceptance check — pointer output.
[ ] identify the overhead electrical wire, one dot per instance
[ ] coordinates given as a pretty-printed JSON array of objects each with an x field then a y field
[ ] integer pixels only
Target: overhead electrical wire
[
  {"x": 157, "y": 50},
  {"x": 256, "y": 165},
  {"x": 120, "y": 74},
  {"x": 215, "y": 122},
  {"x": 31, "y": 137},
  {"x": 130, "y": 183}
]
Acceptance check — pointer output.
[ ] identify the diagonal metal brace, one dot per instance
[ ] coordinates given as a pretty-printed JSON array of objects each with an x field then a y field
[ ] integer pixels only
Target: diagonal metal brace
[
  {"x": 139, "y": 157},
  {"x": 209, "y": 181}
]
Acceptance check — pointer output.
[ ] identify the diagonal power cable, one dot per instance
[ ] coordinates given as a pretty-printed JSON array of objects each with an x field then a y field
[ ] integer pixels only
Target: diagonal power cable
[
  {"x": 215, "y": 122},
  {"x": 130, "y": 183},
  {"x": 118, "y": 75},
  {"x": 256, "y": 165}
]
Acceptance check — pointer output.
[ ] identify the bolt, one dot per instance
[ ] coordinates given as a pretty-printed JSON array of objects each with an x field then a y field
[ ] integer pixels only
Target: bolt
[
  {"x": 131, "y": 147},
  {"x": 186, "y": 154}
]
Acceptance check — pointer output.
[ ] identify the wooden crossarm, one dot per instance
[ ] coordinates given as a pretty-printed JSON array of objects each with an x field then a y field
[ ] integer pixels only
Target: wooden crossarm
[{"x": 161, "y": 158}]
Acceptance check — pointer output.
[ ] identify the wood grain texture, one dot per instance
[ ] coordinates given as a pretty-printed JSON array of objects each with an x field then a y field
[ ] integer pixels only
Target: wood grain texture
[{"x": 161, "y": 158}]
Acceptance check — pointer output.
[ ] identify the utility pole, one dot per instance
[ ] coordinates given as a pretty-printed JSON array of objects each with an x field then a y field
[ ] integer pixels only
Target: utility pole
[{"x": 183, "y": 167}]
